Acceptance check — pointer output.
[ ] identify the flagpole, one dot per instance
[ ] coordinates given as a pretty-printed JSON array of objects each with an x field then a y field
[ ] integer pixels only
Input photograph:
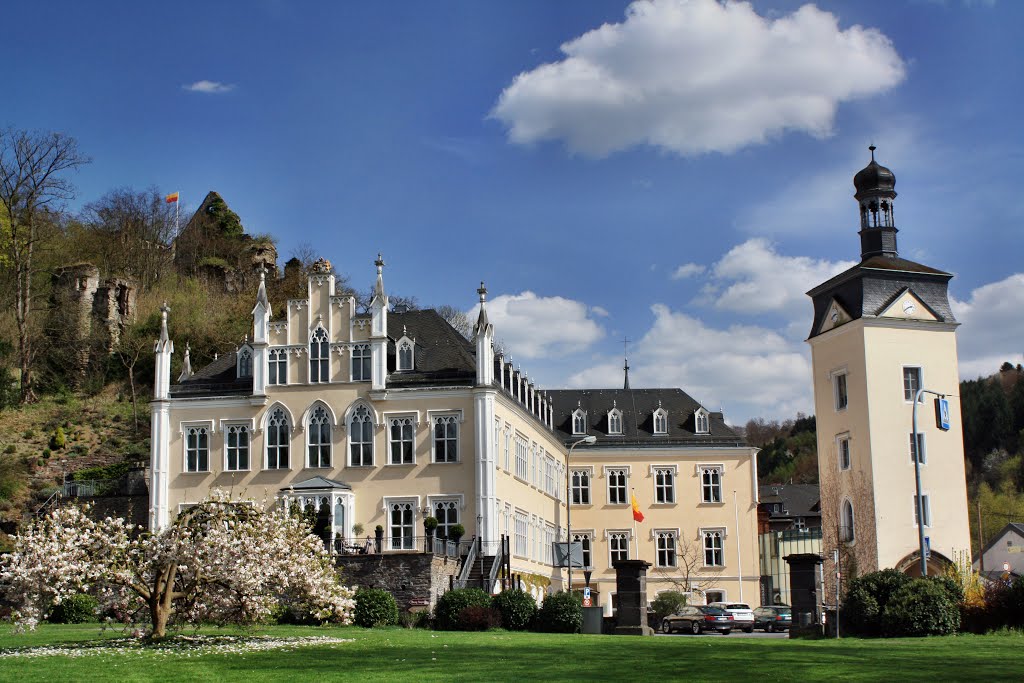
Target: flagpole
[
  {"x": 636, "y": 540},
  {"x": 176, "y": 203}
]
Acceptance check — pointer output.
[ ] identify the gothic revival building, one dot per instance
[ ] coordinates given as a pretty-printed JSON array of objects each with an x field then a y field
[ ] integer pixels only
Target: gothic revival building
[
  {"x": 387, "y": 417},
  {"x": 882, "y": 331}
]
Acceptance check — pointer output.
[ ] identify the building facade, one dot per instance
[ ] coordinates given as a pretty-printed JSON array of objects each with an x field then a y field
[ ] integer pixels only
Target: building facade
[
  {"x": 387, "y": 417},
  {"x": 882, "y": 331}
]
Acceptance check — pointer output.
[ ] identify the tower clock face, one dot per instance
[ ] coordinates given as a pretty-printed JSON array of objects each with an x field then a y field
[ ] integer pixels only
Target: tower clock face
[
  {"x": 909, "y": 307},
  {"x": 834, "y": 315}
]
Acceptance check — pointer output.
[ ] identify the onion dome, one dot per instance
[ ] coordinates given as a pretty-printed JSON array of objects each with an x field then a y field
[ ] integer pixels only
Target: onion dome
[{"x": 874, "y": 179}]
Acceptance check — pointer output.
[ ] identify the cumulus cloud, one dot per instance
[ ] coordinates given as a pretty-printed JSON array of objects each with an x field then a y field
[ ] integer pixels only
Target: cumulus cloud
[
  {"x": 991, "y": 326},
  {"x": 530, "y": 326},
  {"x": 696, "y": 76},
  {"x": 600, "y": 311},
  {"x": 748, "y": 370},
  {"x": 687, "y": 270},
  {"x": 209, "y": 87},
  {"x": 754, "y": 278}
]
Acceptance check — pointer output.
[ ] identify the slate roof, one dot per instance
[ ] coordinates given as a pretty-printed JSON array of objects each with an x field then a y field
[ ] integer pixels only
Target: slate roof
[
  {"x": 216, "y": 379},
  {"x": 318, "y": 483},
  {"x": 869, "y": 287},
  {"x": 442, "y": 355},
  {"x": 637, "y": 407},
  {"x": 798, "y": 500}
]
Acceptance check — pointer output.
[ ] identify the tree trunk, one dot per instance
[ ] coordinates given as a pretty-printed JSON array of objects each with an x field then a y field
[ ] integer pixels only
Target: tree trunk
[
  {"x": 135, "y": 405},
  {"x": 158, "y": 614}
]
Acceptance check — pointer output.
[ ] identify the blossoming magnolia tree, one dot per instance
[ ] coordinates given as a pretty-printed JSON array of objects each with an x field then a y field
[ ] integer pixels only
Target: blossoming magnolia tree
[{"x": 222, "y": 561}]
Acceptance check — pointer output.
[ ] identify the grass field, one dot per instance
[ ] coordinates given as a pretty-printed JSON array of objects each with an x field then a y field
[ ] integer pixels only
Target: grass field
[{"x": 77, "y": 653}]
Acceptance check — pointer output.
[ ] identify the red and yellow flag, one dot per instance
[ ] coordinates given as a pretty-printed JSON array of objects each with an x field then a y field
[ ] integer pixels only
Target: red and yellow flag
[
  {"x": 171, "y": 198},
  {"x": 637, "y": 515}
]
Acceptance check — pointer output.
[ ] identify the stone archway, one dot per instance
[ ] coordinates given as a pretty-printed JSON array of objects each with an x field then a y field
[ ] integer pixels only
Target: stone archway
[{"x": 911, "y": 564}]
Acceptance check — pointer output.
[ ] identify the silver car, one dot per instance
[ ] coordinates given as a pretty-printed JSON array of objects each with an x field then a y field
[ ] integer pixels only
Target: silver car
[{"x": 743, "y": 616}]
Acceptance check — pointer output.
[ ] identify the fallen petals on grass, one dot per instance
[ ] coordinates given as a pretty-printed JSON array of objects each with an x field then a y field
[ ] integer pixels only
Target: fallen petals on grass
[{"x": 188, "y": 646}]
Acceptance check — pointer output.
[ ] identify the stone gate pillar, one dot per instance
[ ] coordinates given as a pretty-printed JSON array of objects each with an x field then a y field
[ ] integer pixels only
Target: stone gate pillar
[{"x": 631, "y": 591}]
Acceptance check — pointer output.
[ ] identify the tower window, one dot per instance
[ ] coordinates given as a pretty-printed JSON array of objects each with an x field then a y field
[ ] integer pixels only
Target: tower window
[{"x": 911, "y": 382}]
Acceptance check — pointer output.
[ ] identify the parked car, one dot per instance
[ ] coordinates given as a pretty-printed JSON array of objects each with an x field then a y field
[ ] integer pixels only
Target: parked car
[
  {"x": 698, "y": 618},
  {"x": 743, "y": 616},
  {"x": 773, "y": 618}
]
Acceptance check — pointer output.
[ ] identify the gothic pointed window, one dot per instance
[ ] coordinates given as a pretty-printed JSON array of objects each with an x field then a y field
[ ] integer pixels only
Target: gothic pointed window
[
  {"x": 245, "y": 362},
  {"x": 615, "y": 421},
  {"x": 660, "y": 421},
  {"x": 701, "y": 422},
  {"x": 319, "y": 438},
  {"x": 278, "y": 440},
  {"x": 579, "y": 421},
  {"x": 319, "y": 356},
  {"x": 361, "y": 437},
  {"x": 406, "y": 350}
]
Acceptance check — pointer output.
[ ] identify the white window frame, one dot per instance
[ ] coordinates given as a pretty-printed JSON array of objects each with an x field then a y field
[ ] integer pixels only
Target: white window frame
[
  {"x": 521, "y": 534},
  {"x": 843, "y": 440},
  {"x": 400, "y": 346},
  {"x": 322, "y": 341},
  {"x": 393, "y": 420},
  {"x": 927, "y": 499},
  {"x": 701, "y": 421},
  {"x": 244, "y": 360},
  {"x": 702, "y": 470},
  {"x": 670, "y": 488},
  {"x": 402, "y": 541},
  {"x": 709, "y": 534},
  {"x": 361, "y": 358},
  {"x": 207, "y": 427},
  {"x": 245, "y": 427},
  {"x": 522, "y": 471},
  {"x": 922, "y": 448},
  {"x": 660, "y": 417},
  {"x": 287, "y": 445},
  {"x": 840, "y": 389},
  {"x": 907, "y": 396},
  {"x": 452, "y": 418},
  {"x": 666, "y": 547},
  {"x": 277, "y": 367},
  {"x": 577, "y": 484},
  {"x": 850, "y": 535},
  {"x": 508, "y": 447},
  {"x": 614, "y": 422},
  {"x": 579, "y": 422},
  {"x": 362, "y": 409},
  {"x": 614, "y": 538},
  {"x": 320, "y": 444},
  {"x": 609, "y": 472},
  {"x": 454, "y": 501},
  {"x": 585, "y": 537}
]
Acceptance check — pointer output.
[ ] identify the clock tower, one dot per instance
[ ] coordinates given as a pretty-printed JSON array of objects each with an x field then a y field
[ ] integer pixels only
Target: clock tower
[{"x": 881, "y": 331}]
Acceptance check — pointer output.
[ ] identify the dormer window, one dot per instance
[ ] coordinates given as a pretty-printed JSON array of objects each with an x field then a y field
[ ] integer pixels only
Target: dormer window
[
  {"x": 579, "y": 421},
  {"x": 700, "y": 418},
  {"x": 614, "y": 421},
  {"x": 660, "y": 421},
  {"x": 244, "y": 362},
  {"x": 406, "y": 353}
]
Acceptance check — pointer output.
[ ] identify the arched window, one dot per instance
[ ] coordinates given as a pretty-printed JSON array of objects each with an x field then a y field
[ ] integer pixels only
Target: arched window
[
  {"x": 614, "y": 422},
  {"x": 319, "y": 356},
  {"x": 319, "y": 440},
  {"x": 245, "y": 362},
  {"x": 361, "y": 437},
  {"x": 278, "y": 440},
  {"x": 660, "y": 421},
  {"x": 405, "y": 354},
  {"x": 846, "y": 528},
  {"x": 579, "y": 421},
  {"x": 701, "y": 422}
]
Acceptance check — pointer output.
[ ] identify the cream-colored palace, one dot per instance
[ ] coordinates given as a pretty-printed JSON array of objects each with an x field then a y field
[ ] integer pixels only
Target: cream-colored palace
[{"x": 388, "y": 417}]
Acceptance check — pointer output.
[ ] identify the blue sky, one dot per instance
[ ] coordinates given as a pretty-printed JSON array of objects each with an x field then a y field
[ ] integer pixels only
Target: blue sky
[{"x": 678, "y": 173}]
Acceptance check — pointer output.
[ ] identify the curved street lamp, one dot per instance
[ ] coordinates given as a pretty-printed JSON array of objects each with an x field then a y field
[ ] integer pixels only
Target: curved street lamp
[{"x": 589, "y": 440}]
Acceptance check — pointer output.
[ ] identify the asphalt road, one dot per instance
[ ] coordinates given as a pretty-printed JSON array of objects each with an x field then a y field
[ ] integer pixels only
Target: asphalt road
[{"x": 733, "y": 634}]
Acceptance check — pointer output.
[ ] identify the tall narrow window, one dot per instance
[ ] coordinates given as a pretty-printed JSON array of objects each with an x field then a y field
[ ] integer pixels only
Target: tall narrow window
[
  {"x": 319, "y": 439},
  {"x": 446, "y": 438},
  {"x": 586, "y": 542},
  {"x": 237, "y": 448},
  {"x": 917, "y": 449},
  {"x": 278, "y": 440},
  {"x": 361, "y": 363},
  {"x": 319, "y": 356},
  {"x": 614, "y": 422},
  {"x": 618, "y": 546},
  {"x": 402, "y": 528},
  {"x": 400, "y": 432},
  {"x": 617, "y": 487},
  {"x": 925, "y": 508},
  {"x": 911, "y": 382},
  {"x": 660, "y": 421},
  {"x": 701, "y": 422},
  {"x": 361, "y": 437},
  {"x": 666, "y": 541},
  {"x": 664, "y": 485},
  {"x": 843, "y": 445},
  {"x": 713, "y": 555},
  {"x": 405, "y": 355},
  {"x": 245, "y": 362},
  {"x": 522, "y": 547},
  {"x": 446, "y": 512},
  {"x": 841, "y": 395},
  {"x": 846, "y": 528},
  {"x": 278, "y": 367},
  {"x": 711, "y": 484},
  {"x": 579, "y": 421},
  {"x": 522, "y": 458},
  {"x": 580, "y": 487},
  {"x": 197, "y": 449}
]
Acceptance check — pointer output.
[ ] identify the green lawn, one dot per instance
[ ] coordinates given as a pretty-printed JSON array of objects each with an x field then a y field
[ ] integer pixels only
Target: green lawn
[{"x": 417, "y": 655}]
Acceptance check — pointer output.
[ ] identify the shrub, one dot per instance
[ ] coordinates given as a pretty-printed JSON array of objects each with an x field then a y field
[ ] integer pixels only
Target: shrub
[
  {"x": 561, "y": 613},
  {"x": 419, "y": 619},
  {"x": 517, "y": 608},
  {"x": 429, "y": 524},
  {"x": 450, "y": 606},
  {"x": 866, "y": 598},
  {"x": 457, "y": 532},
  {"x": 922, "y": 607},
  {"x": 668, "y": 603},
  {"x": 57, "y": 441},
  {"x": 477, "y": 618},
  {"x": 375, "y": 607},
  {"x": 10, "y": 448},
  {"x": 78, "y": 609}
]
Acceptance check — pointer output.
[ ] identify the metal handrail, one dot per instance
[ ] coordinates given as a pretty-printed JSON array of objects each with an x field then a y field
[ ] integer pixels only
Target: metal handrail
[
  {"x": 495, "y": 568},
  {"x": 46, "y": 504},
  {"x": 467, "y": 566}
]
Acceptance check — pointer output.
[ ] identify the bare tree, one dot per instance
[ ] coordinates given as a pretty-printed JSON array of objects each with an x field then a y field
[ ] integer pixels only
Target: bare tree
[
  {"x": 686, "y": 576},
  {"x": 457, "y": 318},
  {"x": 857, "y": 546},
  {"x": 32, "y": 189}
]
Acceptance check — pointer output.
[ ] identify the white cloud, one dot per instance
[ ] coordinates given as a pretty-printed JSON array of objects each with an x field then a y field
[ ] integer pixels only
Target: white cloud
[
  {"x": 209, "y": 87},
  {"x": 600, "y": 311},
  {"x": 754, "y": 278},
  {"x": 991, "y": 326},
  {"x": 747, "y": 370},
  {"x": 695, "y": 76},
  {"x": 530, "y": 326},
  {"x": 687, "y": 270}
]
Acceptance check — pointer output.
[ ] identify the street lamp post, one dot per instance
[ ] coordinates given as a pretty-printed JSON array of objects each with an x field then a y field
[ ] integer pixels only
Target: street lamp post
[
  {"x": 916, "y": 450},
  {"x": 591, "y": 439}
]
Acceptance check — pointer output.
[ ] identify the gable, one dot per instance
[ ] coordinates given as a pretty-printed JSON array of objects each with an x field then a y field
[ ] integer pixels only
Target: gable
[
  {"x": 907, "y": 305},
  {"x": 835, "y": 316}
]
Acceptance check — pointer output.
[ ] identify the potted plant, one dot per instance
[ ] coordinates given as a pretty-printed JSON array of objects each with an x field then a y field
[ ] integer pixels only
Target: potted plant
[
  {"x": 378, "y": 533},
  {"x": 357, "y": 530},
  {"x": 429, "y": 526},
  {"x": 457, "y": 532}
]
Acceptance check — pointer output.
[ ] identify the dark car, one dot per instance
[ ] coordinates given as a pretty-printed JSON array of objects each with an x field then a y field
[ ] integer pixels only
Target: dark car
[
  {"x": 773, "y": 618},
  {"x": 697, "y": 619}
]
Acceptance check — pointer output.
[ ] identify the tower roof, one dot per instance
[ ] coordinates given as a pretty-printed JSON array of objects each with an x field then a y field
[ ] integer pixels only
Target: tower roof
[{"x": 874, "y": 179}]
